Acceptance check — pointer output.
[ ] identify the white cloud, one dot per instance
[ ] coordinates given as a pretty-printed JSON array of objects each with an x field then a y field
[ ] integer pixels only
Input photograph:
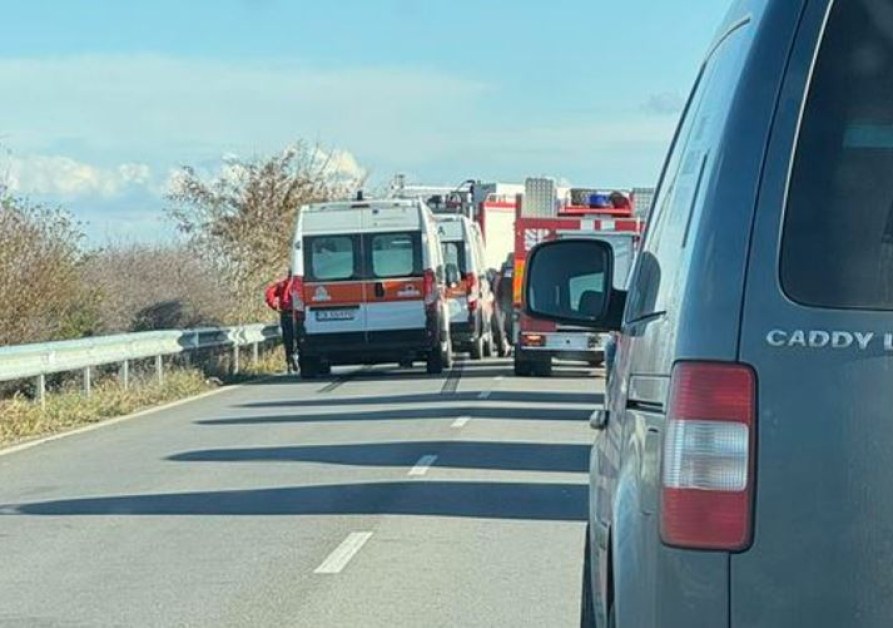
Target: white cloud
[
  {"x": 161, "y": 107},
  {"x": 61, "y": 176}
]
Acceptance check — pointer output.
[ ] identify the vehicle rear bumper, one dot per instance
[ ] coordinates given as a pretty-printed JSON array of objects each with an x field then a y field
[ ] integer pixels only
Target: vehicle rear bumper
[
  {"x": 368, "y": 348},
  {"x": 464, "y": 333},
  {"x": 537, "y": 354}
]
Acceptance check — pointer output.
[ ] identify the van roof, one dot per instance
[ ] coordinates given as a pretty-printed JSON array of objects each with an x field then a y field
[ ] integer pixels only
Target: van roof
[{"x": 367, "y": 204}]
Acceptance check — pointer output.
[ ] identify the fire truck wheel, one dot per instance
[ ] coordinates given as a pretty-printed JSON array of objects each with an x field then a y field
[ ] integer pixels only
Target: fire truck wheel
[
  {"x": 523, "y": 368},
  {"x": 543, "y": 369}
]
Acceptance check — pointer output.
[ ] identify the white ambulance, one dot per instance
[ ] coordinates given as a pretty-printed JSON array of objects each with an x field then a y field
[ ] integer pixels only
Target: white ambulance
[{"x": 369, "y": 286}]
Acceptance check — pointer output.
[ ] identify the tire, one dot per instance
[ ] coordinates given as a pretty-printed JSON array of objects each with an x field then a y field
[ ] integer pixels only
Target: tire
[
  {"x": 543, "y": 369},
  {"x": 587, "y": 604},
  {"x": 435, "y": 362},
  {"x": 477, "y": 348},
  {"x": 311, "y": 367},
  {"x": 523, "y": 368}
]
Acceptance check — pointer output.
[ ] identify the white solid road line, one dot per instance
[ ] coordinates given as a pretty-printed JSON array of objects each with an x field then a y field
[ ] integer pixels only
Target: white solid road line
[
  {"x": 422, "y": 466},
  {"x": 499, "y": 378},
  {"x": 338, "y": 559},
  {"x": 462, "y": 421},
  {"x": 485, "y": 394}
]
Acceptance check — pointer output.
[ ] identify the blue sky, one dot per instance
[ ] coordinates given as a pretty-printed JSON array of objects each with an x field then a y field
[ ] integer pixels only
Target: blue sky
[{"x": 101, "y": 99}]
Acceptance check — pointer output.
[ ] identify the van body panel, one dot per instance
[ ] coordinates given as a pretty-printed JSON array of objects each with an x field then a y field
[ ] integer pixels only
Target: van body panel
[
  {"x": 363, "y": 266},
  {"x": 822, "y": 546},
  {"x": 685, "y": 303}
]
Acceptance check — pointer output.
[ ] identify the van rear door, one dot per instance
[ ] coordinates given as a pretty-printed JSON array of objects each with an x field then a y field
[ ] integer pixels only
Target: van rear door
[
  {"x": 818, "y": 330},
  {"x": 334, "y": 290},
  {"x": 394, "y": 260}
]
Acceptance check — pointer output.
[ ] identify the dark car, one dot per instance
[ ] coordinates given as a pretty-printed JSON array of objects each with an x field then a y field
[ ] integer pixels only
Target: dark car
[{"x": 739, "y": 476}]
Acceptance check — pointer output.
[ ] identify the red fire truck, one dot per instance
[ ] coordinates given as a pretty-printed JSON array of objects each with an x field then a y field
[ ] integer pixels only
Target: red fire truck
[{"x": 545, "y": 213}]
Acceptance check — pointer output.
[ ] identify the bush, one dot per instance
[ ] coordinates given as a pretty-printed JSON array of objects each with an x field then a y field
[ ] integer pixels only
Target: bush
[{"x": 44, "y": 295}]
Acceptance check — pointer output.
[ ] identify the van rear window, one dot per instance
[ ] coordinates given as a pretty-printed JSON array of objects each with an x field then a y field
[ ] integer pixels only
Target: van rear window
[
  {"x": 454, "y": 253},
  {"x": 331, "y": 258},
  {"x": 837, "y": 247},
  {"x": 396, "y": 255}
]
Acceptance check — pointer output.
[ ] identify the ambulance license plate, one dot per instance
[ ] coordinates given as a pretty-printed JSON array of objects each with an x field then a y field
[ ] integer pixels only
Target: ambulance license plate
[{"x": 336, "y": 315}]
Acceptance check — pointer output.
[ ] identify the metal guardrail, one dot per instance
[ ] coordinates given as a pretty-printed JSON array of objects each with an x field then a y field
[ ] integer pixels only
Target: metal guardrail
[{"x": 39, "y": 360}]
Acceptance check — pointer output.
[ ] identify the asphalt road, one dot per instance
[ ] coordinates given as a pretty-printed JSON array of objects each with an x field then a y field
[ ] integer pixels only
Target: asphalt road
[{"x": 377, "y": 497}]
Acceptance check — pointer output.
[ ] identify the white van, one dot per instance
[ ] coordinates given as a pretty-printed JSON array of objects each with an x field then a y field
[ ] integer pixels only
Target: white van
[
  {"x": 470, "y": 299},
  {"x": 369, "y": 286}
]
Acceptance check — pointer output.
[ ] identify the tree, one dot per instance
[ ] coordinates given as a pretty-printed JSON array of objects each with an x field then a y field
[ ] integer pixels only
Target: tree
[
  {"x": 242, "y": 220},
  {"x": 44, "y": 297}
]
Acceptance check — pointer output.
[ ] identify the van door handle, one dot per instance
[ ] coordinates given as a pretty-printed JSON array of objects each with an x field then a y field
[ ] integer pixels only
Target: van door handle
[
  {"x": 379, "y": 290},
  {"x": 599, "y": 419}
]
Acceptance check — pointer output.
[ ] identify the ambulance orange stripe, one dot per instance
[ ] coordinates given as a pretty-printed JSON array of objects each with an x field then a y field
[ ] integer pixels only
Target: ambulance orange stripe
[{"x": 347, "y": 293}]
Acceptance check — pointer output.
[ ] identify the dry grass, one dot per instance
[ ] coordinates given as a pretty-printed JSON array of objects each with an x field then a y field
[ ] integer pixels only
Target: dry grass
[{"x": 22, "y": 419}]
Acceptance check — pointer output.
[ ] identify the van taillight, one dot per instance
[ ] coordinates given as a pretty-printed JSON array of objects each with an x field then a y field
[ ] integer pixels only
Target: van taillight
[
  {"x": 429, "y": 287},
  {"x": 471, "y": 281},
  {"x": 708, "y": 457}
]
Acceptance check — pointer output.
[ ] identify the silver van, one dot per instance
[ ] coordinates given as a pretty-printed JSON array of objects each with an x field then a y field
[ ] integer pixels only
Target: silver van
[{"x": 739, "y": 474}]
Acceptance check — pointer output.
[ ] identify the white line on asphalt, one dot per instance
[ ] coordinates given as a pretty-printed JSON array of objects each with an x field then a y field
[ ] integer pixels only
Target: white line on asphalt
[
  {"x": 338, "y": 559},
  {"x": 462, "y": 421},
  {"x": 499, "y": 378},
  {"x": 485, "y": 394},
  {"x": 422, "y": 466}
]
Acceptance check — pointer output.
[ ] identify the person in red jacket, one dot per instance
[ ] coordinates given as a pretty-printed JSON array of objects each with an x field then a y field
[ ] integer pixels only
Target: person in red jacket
[{"x": 279, "y": 297}]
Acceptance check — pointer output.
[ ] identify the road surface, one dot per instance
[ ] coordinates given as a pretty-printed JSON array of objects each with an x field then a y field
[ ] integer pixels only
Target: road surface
[{"x": 377, "y": 497}]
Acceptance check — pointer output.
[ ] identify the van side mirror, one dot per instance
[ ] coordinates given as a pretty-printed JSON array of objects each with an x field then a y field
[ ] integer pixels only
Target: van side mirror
[
  {"x": 571, "y": 281},
  {"x": 452, "y": 275}
]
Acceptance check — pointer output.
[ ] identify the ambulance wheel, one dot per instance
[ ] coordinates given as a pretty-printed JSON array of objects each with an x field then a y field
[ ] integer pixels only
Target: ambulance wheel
[
  {"x": 477, "y": 348},
  {"x": 310, "y": 367}
]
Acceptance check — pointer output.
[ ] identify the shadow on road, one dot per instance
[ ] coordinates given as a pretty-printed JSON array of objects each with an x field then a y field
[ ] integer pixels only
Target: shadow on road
[
  {"x": 546, "y": 457},
  {"x": 409, "y": 414},
  {"x": 537, "y": 502},
  {"x": 497, "y": 396}
]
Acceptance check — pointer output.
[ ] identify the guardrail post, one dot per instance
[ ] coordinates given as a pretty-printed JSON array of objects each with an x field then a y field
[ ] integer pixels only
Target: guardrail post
[
  {"x": 125, "y": 374},
  {"x": 88, "y": 381},
  {"x": 235, "y": 359},
  {"x": 255, "y": 353},
  {"x": 159, "y": 369},
  {"x": 42, "y": 390}
]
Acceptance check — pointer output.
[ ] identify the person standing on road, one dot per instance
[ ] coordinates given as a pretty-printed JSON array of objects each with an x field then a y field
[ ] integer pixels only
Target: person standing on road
[{"x": 278, "y": 296}]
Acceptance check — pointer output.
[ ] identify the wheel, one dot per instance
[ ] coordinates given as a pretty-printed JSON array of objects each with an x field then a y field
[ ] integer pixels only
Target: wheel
[
  {"x": 435, "y": 362},
  {"x": 477, "y": 348},
  {"x": 543, "y": 369},
  {"x": 587, "y": 604},
  {"x": 310, "y": 367},
  {"x": 523, "y": 368}
]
